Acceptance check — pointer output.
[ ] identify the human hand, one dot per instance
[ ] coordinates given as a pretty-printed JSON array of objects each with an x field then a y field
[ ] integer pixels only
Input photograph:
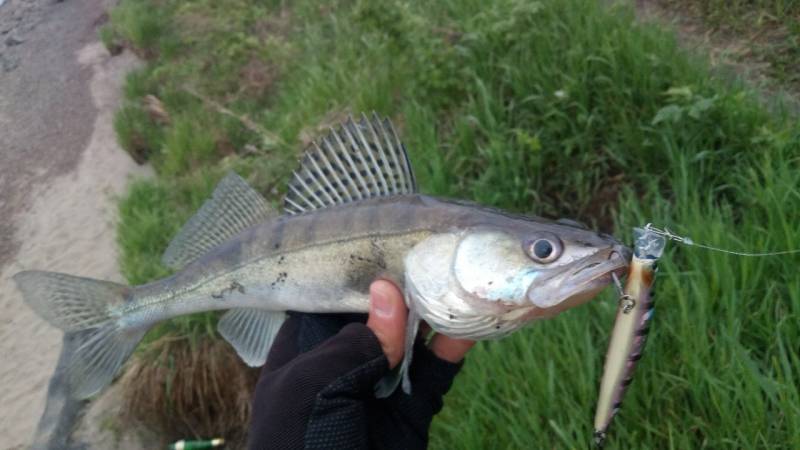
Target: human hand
[
  {"x": 317, "y": 387},
  {"x": 387, "y": 319}
]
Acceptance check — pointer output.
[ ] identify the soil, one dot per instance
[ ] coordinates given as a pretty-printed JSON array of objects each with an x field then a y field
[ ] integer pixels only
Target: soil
[{"x": 733, "y": 55}]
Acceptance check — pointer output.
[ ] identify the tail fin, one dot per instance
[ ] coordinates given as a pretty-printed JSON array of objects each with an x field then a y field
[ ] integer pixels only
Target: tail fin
[{"x": 87, "y": 306}]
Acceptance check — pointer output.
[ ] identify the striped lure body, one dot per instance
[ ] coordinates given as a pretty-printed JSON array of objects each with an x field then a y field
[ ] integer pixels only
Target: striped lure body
[{"x": 630, "y": 329}]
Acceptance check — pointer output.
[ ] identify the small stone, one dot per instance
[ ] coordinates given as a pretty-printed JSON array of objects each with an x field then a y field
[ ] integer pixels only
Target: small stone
[
  {"x": 7, "y": 64},
  {"x": 14, "y": 40}
]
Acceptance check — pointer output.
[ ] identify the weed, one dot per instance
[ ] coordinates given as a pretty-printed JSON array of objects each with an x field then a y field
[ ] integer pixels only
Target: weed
[
  {"x": 110, "y": 40},
  {"x": 201, "y": 400},
  {"x": 139, "y": 25}
]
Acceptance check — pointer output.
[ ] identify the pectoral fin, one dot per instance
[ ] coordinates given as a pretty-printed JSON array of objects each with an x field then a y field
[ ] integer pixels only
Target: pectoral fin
[{"x": 387, "y": 385}]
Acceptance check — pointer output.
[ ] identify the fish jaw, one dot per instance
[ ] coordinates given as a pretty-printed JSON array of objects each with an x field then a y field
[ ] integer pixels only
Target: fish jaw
[{"x": 565, "y": 289}]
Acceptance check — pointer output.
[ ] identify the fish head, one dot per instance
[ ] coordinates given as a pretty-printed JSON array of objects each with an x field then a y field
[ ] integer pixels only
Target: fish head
[
  {"x": 544, "y": 267},
  {"x": 488, "y": 279}
]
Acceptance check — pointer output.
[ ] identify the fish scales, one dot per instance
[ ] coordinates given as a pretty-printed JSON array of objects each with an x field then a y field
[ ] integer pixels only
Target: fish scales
[{"x": 343, "y": 231}]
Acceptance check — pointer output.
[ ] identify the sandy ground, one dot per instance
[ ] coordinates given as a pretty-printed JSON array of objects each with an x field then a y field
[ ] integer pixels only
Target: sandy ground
[{"x": 58, "y": 191}]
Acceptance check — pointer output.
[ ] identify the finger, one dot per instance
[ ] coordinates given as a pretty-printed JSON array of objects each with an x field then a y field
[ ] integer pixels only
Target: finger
[
  {"x": 387, "y": 319},
  {"x": 450, "y": 349}
]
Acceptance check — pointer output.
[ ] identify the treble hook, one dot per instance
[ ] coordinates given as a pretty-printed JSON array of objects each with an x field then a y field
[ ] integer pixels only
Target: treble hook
[{"x": 626, "y": 302}]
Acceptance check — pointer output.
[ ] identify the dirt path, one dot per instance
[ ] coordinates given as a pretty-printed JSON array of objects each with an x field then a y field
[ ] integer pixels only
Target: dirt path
[
  {"x": 60, "y": 167},
  {"x": 45, "y": 106},
  {"x": 732, "y": 55}
]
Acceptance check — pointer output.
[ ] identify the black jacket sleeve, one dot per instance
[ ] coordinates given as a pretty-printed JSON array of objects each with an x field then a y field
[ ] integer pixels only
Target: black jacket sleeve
[{"x": 316, "y": 390}]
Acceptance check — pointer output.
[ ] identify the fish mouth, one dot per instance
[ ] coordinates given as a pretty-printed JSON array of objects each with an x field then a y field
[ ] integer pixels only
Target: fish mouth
[
  {"x": 584, "y": 282},
  {"x": 600, "y": 273}
]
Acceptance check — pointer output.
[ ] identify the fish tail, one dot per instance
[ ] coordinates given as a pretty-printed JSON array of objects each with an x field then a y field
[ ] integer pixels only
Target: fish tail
[{"x": 88, "y": 308}]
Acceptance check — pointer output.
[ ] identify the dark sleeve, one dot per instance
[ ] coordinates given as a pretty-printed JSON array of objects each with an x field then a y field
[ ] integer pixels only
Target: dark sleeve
[
  {"x": 316, "y": 390},
  {"x": 285, "y": 399},
  {"x": 402, "y": 421}
]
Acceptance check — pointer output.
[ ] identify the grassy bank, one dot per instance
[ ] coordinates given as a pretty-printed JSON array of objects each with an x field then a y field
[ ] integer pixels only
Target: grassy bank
[{"x": 559, "y": 108}]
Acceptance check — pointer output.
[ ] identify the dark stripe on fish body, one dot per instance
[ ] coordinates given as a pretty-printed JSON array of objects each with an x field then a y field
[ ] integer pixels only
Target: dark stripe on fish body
[
  {"x": 312, "y": 229},
  {"x": 276, "y": 239},
  {"x": 354, "y": 221},
  {"x": 403, "y": 217},
  {"x": 371, "y": 219},
  {"x": 399, "y": 216},
  {"x": 237, "y": 253},
  {"x": 635, "y": 357},
  {"x": 617, "y": 405},
  {"x": 412, "y": 215}
]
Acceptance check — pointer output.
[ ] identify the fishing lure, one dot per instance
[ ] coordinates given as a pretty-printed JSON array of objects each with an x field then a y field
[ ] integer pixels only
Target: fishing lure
[{"x": 630, "y": 328}]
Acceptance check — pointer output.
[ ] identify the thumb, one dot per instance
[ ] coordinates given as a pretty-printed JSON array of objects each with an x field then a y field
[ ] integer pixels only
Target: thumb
[{"x": 387, "y": 319}]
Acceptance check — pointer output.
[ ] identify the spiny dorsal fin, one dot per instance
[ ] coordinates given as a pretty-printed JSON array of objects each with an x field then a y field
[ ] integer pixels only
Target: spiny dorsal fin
[
  {"x": 251, "y": 332},
  {"x": 356, "y": 162},
  {"x": 233, "y": 207}
]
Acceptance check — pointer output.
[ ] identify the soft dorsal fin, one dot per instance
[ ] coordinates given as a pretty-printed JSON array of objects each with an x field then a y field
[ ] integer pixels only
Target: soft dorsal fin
[
  {"x": 233, "y": 207},
  {"x": 359, "y": 160}
]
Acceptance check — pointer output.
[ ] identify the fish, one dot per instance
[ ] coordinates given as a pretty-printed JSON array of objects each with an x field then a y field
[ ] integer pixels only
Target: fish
[
  {"x": 631, "y": 327},
  {"x": 352, "y": 213}
]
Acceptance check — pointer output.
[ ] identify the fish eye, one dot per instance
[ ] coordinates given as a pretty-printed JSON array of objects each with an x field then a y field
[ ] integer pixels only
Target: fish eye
[{"x": 544, "y": 249}]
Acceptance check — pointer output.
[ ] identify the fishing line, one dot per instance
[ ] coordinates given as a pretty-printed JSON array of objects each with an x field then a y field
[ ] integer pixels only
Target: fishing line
[{"x": 667, "y": 233}]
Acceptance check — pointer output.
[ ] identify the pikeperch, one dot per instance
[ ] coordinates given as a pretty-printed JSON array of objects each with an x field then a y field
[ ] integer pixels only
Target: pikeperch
[{"x": 351, "y": 214}]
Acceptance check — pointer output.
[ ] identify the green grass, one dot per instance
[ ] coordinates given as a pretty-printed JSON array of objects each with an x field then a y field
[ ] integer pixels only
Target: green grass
[{"x": 559, "y": 108}]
